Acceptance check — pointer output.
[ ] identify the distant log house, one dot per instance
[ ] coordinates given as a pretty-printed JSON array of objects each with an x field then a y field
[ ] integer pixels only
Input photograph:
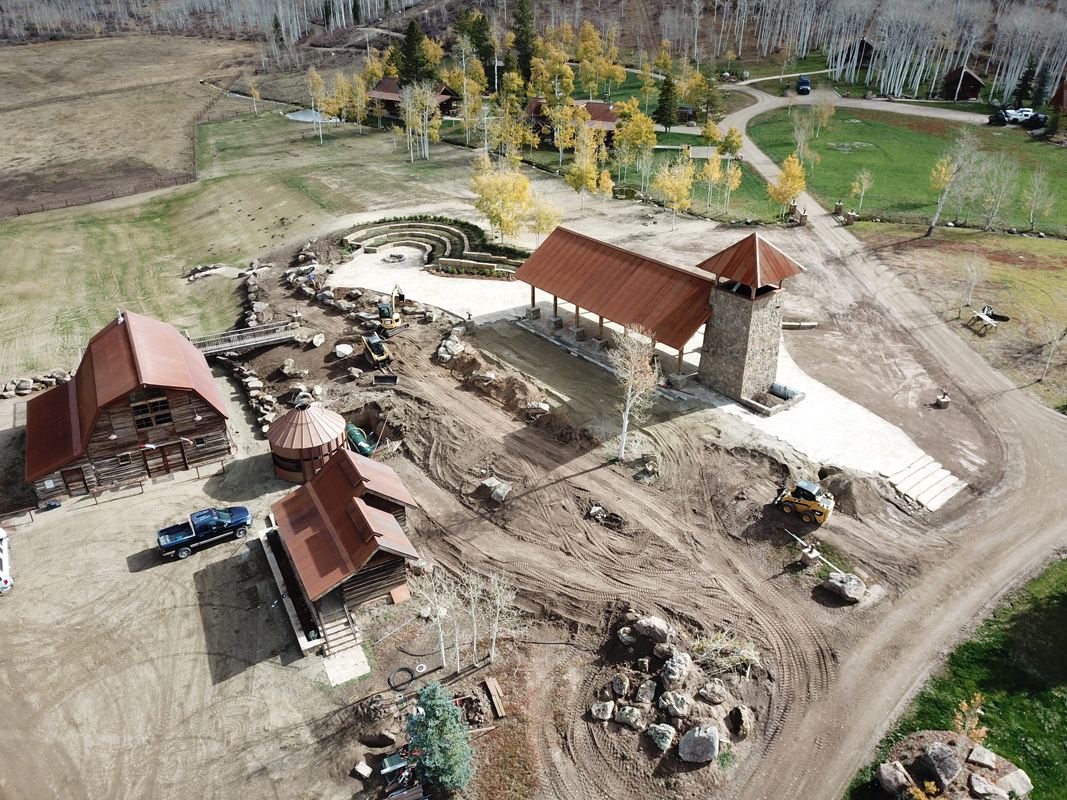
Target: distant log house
[{"x": 142, "y": 403}]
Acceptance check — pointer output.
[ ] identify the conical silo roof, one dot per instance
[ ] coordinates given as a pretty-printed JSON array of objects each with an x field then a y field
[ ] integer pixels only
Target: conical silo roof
[{"x": 306, "y": 427}]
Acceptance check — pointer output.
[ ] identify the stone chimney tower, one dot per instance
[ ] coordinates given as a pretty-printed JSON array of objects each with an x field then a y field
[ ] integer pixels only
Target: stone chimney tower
[{"x": 742, "y": 338}]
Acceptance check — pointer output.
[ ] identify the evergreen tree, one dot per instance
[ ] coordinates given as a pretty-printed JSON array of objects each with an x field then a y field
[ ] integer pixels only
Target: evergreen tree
[
  {"x": 415, "y": 67},
  {"x": 1024, "y": 90},
  {"x": 357, "y": 12},
  {"x": 522, "y": 25},
  {"x": 440, "y": 740},
  {"x": 276, "y": 31},
  {"x": 475, "y": 26},
  {"x": 1042, "y": 86},
  {"x": 666, "y": 113},
  {"x": 511, "y": 64}
]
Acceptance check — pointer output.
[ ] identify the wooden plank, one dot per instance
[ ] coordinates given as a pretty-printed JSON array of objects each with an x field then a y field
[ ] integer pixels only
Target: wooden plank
[{"x": 495, "y": 697}]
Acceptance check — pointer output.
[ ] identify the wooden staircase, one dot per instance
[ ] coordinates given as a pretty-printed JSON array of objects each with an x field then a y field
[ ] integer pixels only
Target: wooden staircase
[{"x": 340, "y": 632}]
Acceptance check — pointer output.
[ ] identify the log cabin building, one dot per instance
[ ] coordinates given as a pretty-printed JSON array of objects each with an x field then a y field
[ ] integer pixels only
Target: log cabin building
[
  {"x": 342, "y": 532},
  {"x": 142, "y": 403}
]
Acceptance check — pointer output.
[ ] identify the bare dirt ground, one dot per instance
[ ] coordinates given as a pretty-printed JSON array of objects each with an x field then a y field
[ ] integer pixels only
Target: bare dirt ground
[{"x": 83, "y": 117}]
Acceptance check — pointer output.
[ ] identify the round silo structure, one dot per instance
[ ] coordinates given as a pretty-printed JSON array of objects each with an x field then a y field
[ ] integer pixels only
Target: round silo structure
[{"x": 303, "y": 440}]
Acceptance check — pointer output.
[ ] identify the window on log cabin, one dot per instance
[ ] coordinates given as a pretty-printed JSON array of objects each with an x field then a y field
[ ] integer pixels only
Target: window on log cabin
[
  {"x": 123, "y": 459},
  {"x": 150, "y": 407},
  {"x": 200, "y": 441}
]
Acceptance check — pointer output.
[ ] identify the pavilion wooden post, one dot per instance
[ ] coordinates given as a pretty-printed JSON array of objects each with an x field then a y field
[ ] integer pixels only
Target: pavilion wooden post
[
  {"x": 533, "y": 296},
  {"x": 577, "y": 321},
  {"x": 600, "y": 330},
  {"x": 555, "y": 306},
  {"x": 681, "y": 352}
]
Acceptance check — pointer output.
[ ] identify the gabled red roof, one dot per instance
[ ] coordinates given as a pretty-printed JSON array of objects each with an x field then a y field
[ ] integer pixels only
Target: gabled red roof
[
  {"x": 389, "y": 89},
  {"x": 624, "y": 287},
  {"x": 124, "y": 356},
  {"x": 330, "y": 532},
  {"x": 752, "y": 261},
  {"x": 601, "y": 114}
]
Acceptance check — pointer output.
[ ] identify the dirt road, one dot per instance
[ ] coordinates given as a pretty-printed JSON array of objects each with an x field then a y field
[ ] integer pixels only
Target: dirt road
[{"x": 1006, "y": 535}]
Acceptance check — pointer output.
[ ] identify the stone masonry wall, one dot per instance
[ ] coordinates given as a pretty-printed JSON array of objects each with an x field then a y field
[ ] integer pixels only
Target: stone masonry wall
[{"x": 741, "y": 340}]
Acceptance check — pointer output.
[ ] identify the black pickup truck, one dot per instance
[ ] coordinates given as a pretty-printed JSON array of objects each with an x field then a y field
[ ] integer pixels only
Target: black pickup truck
[{"x": 203, "y": 527}]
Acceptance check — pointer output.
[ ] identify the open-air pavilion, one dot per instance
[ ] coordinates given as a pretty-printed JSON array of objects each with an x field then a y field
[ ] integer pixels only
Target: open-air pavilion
[
  {"x": 617, "y": 285},
  {"x": 671, "y": 303}
]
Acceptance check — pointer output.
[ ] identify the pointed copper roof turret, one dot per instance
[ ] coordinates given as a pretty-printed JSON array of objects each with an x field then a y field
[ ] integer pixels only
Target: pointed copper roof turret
[{"x": 753, "y": 261}]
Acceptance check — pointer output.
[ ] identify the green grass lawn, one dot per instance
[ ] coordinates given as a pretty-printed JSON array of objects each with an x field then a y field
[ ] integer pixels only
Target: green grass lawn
[
  {"x": 1018, "y": 660},
  {"x": 900, "y": 152}
]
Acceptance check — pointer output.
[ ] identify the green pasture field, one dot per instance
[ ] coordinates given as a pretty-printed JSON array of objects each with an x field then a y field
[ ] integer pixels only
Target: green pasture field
[
  {"x": 1018, "y": 660},
  {"x": 900, "y": 151}
]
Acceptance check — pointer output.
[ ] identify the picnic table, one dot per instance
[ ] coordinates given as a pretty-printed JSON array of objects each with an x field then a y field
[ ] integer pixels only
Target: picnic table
[{"x": 982, "y": 322}]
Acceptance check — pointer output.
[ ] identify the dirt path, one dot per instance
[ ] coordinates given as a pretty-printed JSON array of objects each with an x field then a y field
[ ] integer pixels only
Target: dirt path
[{"x": 1007, "y": 534}]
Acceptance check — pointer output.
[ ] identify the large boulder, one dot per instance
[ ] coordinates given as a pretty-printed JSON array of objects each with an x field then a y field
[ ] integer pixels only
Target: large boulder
[
  {"x": 603, "y": 711},
  {"x": 661, "y": 735},
  {"x": 939, "y": 762},
  {"x": 714, "y": 692},
  {"x": 676, "y": 670},
  {"x": 845, "y": 585},
  {"x": 646, "y": 692},
  {"x": 675, "y": 704},
  {"x": 343, "y": 350},
  {"x": 621, "y": 684},
  {"x": 986, "y": 790},
  {"x": 654, "y": 628},
  {"x": 626, "y": 636},
  {"x": 628, "y": 715},
  {"x": 1018, "y": 782},
  {"x": 983, "y": 757},
  {"x": 699, "y": 745},
  {"x": 893, "y": 778}
]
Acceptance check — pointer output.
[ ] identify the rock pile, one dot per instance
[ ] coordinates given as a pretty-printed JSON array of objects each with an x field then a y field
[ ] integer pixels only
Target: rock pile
[
  {"x": 451, "y": 346},
  {"x": 987, "y": 776},
  {"x": 263, "y": 404},
  {"x": 672, "y": 704},
  {"x": 20, "y": 387}
]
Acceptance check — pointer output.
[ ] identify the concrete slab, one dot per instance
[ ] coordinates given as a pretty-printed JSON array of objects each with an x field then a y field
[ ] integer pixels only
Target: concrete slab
[{"x": 346, "y": 666}]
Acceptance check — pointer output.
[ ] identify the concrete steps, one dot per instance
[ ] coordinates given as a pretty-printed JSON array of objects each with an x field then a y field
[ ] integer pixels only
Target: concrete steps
[{"x": 926, "y": 483}]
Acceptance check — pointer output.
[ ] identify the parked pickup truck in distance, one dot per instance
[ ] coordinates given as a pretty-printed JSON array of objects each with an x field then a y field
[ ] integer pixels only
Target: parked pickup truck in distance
[{"x": 201, "y": 528}]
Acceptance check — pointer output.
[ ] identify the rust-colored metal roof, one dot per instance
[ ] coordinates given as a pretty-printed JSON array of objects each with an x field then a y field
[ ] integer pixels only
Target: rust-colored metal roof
[
  {"x": 124, "y": 356},
  {"x": 389, "y": 89},
  {"x": 601, "y": 114},
  {"x": 624, "y": 287},
  {"x": 307, "y": 428},
  {"x": 376, "y": 478},
  {"x": 331, "y": 532},
  {"x": 752, "y": 261}
]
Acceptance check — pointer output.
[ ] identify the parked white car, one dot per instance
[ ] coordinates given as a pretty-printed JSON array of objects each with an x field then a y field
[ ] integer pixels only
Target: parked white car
[
  {"x": 1019, "y": 114},
  {"x": 5, "y": 563}
]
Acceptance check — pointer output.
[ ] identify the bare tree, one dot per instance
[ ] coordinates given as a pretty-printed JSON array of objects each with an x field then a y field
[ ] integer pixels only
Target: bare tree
[
  {"x": 473, "y": 587},
  {"x": 956, "y": 158},
  {"x": 1038, "y": 196},
  {"x": 1051, "y": 333},
  {"x": 638, "y": 375},
  {"x": 973, "y": 271},
  {"x": 504, "y": 617},
  {"x": 998, "y": 183},
  {"x": 434, "y": 590}
]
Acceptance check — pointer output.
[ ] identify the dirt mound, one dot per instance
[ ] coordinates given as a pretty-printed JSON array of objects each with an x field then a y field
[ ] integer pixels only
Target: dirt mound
[
  {"x": 511, "y": 392},
  {"x": 562, "y": 428},
  {"x": 467, "y": 363},
  {"x": 855, "y": 495}
]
